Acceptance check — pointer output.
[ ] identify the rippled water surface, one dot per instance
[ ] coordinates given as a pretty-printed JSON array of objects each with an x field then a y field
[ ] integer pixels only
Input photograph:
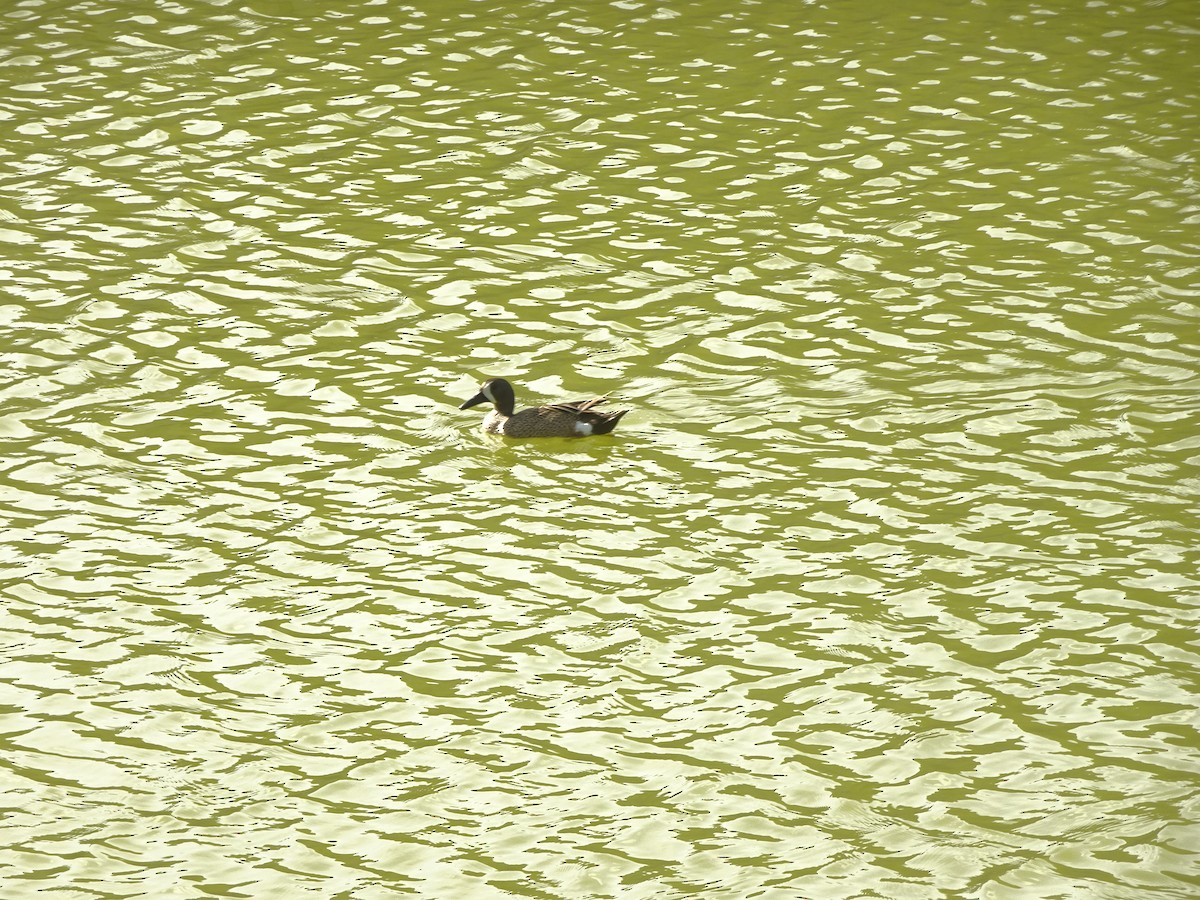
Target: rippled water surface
[{"x": 886, "y": 587}]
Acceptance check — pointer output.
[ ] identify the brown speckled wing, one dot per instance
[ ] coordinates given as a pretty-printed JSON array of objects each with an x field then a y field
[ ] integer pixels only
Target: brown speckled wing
[{"x": 578, "y": 406}]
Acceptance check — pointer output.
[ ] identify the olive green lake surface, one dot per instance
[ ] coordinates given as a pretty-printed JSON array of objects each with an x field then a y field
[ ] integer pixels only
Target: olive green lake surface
[{"x": 885, "y": 587}]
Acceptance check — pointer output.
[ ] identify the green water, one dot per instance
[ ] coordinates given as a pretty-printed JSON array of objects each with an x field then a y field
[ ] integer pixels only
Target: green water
[{"x": 886, "y": 587}]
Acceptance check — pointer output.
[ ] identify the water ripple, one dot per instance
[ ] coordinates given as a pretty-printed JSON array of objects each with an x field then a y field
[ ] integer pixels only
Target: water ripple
[{"x": 883, "y": 588}]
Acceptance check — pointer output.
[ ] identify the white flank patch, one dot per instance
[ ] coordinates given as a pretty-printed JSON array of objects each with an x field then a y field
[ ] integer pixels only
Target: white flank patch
[{"x": 583, "y": 428}]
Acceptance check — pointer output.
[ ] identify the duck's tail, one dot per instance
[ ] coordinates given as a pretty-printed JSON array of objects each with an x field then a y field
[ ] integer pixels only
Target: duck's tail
[{"x": 608, "y": 421}]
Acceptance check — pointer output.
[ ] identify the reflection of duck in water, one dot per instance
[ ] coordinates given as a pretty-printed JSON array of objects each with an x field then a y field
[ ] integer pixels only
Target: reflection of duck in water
[{"x": 575, "y": 419}]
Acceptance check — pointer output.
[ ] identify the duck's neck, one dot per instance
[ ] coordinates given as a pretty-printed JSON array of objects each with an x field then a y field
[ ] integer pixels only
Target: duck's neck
[
  {"x": 502, "y": 400},
  {"x": 503, "y": 406}
]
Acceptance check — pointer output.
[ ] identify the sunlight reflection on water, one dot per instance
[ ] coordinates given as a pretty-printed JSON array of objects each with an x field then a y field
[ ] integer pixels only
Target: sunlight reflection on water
[{"x": 881, "y": 589}]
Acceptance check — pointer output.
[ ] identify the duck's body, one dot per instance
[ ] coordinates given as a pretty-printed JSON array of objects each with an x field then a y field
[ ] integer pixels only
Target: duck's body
[{"x": 575, "y": 419}]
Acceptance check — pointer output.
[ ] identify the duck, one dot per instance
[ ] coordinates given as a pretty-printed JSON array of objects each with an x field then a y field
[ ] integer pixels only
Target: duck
[{"x": 576, "y": 418}]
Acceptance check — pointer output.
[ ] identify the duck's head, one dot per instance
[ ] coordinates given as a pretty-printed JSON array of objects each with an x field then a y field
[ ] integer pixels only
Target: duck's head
[{"x": 497, "y": 392}]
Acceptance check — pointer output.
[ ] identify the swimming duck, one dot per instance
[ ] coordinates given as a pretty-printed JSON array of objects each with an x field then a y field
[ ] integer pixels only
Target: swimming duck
[{"x": 575, "y": 419}]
